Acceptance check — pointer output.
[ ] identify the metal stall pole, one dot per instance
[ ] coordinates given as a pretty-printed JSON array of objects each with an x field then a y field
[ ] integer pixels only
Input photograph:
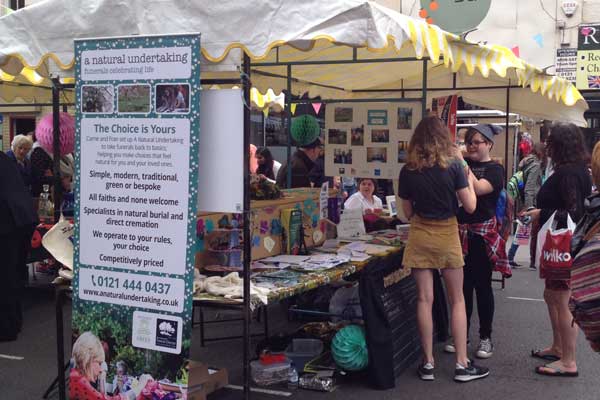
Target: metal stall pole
[
  {"x": 56, "y": 87},
  {"x": 507, "y": 173},
  {"x": 424, "y": 90},
  {"x": 247, "y": 238},
  {"x": 288, "y": 117}
]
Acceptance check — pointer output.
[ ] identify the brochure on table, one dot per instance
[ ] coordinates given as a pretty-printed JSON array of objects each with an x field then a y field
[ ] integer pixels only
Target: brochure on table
[
  {"x": 369, "y": 139},
  {"x": 137, "y": 156}
]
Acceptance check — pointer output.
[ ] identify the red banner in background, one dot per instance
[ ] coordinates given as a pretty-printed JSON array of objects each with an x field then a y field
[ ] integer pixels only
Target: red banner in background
[{"x": 445, "y": 108}]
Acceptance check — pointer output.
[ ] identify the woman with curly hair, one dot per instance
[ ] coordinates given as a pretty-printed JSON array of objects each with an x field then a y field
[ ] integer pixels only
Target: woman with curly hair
[
  {"x": 563, "y": 192},
  {"x": 430, "y": 183}
]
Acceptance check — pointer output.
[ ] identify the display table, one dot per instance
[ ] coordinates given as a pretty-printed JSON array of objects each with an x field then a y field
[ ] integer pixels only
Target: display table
[{"x": 266, "y": 225}]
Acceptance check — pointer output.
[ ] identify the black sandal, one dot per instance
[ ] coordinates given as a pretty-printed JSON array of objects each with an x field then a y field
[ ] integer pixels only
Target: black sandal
[{"x": 547, "y": 357}]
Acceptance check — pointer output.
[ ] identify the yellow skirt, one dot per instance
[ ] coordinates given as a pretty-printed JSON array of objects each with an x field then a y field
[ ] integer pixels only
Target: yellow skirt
[{"x": 433, "y": 244}]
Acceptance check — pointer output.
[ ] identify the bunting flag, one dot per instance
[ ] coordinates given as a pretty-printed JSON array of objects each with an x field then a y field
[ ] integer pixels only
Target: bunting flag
[
  {"x": 539, "y": 39},
  {"x": 317, "y": 107},
  {"x": 515, "y": 51},
  {"x": 266, "y": 112},
  {"x": 293, "y": 108}
]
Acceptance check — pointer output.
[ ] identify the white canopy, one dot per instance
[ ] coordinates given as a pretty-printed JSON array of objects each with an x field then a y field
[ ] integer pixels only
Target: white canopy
[{"x": 40, "y": 37}]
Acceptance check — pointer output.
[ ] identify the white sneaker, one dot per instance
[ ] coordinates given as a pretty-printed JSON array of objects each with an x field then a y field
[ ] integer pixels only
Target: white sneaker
[
  {"x": 450, "y": 348},
  {"x": 485, "y": 348}
]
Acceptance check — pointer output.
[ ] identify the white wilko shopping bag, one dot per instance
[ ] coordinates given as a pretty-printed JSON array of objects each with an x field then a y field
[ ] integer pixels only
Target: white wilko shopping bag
[
  {"x": 522, "y": 234},
  {"x": 549, "y": 227}
]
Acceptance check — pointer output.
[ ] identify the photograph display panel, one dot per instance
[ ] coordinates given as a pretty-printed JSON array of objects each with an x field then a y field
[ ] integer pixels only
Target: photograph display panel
[{"x": 369, "y": 139}]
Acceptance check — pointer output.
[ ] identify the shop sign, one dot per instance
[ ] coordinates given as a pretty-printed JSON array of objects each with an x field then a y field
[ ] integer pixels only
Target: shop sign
[
  {"x": 588, "y": 57},
  {"x": 566, "y": 64}
]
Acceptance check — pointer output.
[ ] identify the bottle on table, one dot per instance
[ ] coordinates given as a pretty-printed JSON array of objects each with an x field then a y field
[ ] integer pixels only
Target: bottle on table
[{"x": 45, "y": 206}]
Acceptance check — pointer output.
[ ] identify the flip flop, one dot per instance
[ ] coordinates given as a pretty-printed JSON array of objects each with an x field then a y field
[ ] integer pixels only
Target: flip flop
[
  {"x": 553, "y": 371},
  {"x": 546, "y": 357}
]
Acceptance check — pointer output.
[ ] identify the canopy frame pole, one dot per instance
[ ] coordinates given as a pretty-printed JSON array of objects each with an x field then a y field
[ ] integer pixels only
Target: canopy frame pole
[
  {"x": 368, "y": 100},
  {"x": 507, "y": 171},
  {"x": 424, "y": 90},
  {"x": 288, "y": 128},
  {"x": 247, "y": 210},
  {"x": 58, "y": 190},
  {"x": 334, "y": 62}
]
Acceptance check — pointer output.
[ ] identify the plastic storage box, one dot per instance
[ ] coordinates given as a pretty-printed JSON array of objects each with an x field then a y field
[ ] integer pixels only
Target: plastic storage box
[
  {"x": 301, "y": 351},
  {"x": 270, "y": 374}
]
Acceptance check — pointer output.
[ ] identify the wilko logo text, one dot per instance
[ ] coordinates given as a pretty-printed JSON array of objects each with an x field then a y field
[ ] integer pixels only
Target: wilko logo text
[{"x": 556, "y": 256}]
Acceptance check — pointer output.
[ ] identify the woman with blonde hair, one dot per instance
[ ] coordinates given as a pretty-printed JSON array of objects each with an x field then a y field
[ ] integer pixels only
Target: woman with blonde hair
[
  {"x": 88, "y": 359},
  {"x": 430, "y": 183}
]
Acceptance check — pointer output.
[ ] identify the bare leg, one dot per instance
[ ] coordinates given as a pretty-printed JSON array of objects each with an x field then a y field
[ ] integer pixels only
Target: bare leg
[
  {"x": 550, "y": 296},
  {"x": 567, "y": 333},
  {"x": 424, "y": 279},
  {"x": 458, "y": 320}
]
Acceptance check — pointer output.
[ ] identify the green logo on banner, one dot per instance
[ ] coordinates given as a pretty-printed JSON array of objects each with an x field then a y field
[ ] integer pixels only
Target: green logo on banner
[{"x": 455, "y": 16}]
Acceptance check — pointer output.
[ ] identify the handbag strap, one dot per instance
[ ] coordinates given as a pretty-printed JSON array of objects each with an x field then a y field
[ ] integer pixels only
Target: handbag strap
[{"x": 595, "y": 229}]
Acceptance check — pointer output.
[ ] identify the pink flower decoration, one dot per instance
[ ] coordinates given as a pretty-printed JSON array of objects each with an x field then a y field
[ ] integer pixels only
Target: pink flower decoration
[{"x": 44, "y": 130}]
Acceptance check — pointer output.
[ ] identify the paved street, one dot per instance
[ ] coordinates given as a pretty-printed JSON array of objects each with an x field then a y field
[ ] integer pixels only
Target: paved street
[{"x": 521, "y": 324}]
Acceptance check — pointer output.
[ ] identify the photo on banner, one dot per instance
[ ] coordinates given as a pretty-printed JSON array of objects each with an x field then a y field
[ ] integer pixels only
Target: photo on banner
[{"x": 135, "y": 215}]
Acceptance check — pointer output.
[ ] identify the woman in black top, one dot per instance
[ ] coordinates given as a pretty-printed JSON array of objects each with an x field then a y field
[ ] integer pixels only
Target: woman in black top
[
  {"x": 564, "y": 191},
  {"x": 484, "y": 246},
  {"x": 430, "y": 182},
  {"x": 265, "y": 163}
]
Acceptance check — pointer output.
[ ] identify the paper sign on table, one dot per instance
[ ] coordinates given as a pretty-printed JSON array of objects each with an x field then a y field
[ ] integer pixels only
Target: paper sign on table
[
  {"x": 323, "y": 200},
  {"x": 351, "y": 224}
]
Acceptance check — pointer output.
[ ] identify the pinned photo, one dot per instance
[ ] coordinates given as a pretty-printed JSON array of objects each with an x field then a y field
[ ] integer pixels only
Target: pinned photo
[
  {"x": 405, "y": 118},
  {"x": 97, "y": 99},
  {"x": 377, "y": 154},
  {"x": 337, "y": 136},
  {"x": 341, "y": 156},
  {"x": 380, "y": 136},
  {"x": 402, "y": 152},
  {"x": 133, "y": 99},
  {"x": 342, "y": 114},
  {"x": 172, "y": 99},
  {"x": 357, "y": 136}
]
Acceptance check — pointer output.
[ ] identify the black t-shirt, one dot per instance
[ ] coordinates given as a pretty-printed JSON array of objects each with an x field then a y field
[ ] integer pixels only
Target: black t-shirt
[
  {"x": 492, "y": 172},
  {"x": 432, "y": 191},
  {"x": 565, "y": 190}
]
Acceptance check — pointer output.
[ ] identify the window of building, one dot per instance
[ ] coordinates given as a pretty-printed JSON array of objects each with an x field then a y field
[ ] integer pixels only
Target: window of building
[
  {"x": 21, "y": 125},
  {"x": 17, "y": 4}
]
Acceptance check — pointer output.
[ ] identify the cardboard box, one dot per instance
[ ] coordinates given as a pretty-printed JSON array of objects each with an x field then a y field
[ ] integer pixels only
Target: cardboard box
[{"x": 203, "y": 380}]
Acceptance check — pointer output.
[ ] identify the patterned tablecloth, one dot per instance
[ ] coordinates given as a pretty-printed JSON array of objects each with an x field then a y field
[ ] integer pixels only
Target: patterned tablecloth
[{"x": 313, "y": 280}]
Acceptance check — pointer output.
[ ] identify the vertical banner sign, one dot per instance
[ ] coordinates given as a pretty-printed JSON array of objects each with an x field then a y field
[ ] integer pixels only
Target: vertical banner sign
[
  {"x": 446, "y": 109},
  {"x": 136, "y": 190},
  {"x": 588, "y": 57},
  {"x": 566, "y": 64}
]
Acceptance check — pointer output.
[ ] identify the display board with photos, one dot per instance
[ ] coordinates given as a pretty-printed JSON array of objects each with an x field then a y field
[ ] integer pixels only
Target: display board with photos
[{"x": 369, "y": 139}]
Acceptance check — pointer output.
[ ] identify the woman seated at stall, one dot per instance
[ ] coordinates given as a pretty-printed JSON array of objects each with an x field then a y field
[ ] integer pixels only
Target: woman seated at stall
[
  {"x": 267, "y": 166},
  {"x": 364, "y": 198}
]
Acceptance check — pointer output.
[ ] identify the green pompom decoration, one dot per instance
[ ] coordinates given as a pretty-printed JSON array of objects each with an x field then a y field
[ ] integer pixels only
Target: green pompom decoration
[
  {"x": 305, "y": 130},
  {"x": 349, "y": 348}
]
